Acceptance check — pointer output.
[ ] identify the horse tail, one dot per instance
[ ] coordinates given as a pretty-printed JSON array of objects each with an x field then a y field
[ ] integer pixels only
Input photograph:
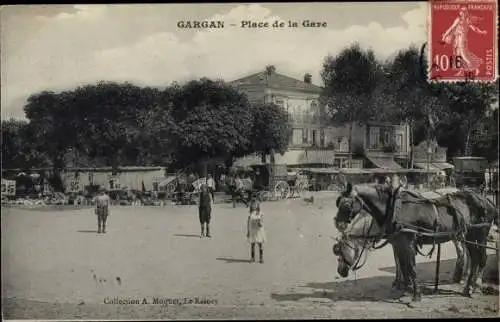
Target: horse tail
[{"x": 484, "y": 203}]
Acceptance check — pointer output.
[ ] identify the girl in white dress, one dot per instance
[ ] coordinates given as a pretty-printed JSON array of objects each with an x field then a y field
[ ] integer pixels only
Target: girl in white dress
[{"x": 255, "y": 230}]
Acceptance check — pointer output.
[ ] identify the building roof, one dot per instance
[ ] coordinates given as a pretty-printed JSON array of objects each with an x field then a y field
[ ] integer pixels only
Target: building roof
[{"x": 278, "y": 81}]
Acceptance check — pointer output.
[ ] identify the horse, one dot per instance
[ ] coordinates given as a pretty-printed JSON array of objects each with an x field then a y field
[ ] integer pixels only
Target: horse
[
  {"x": 363, "y": 233},
  {"x": 407, "y": 218}
]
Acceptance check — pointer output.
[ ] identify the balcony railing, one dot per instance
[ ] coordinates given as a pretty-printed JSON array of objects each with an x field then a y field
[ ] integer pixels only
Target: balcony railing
[{"x": 306, "y": 118}]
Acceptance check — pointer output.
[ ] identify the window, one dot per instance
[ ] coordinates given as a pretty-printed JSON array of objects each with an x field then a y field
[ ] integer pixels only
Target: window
[
  {"x": 297, "y": 136},
  {"x": 305, "y": 136},
  {"x": 342, "y": 144},
  {"x": 314, "y": 137},
  {"x": 374, "y": 139},
  {"x": 280, "y": 102},
  {"x": 322, "y": 137},
  {"x": 399, "y": 142},
  {"x": 75, "y": 186},
  {"x": 341, "y": 163}
]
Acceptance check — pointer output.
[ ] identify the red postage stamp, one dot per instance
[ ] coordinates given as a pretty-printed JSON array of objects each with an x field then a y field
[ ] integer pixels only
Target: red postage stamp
[{"x": 463, "y": 40}]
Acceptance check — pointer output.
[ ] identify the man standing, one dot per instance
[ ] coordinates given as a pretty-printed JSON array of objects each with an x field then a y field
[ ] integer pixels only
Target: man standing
[
  {"x": 102, "y": 203},
  {"x": 205, "y": 210}
]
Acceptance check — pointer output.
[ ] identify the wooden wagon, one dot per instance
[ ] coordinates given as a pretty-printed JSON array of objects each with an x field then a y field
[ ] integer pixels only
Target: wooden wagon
[
  {"x": 470, "y": 172},
  {"x": 275, "y": 182}
]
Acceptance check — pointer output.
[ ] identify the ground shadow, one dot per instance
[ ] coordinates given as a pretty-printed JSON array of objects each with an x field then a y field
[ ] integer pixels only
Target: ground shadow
[
  {"x": 446, "y": 271},
  {"x": 376, "y": 289},
  {"x": 87, "y": 231},
  {"x": 186, "y": 235},
  {"x": 233, "y": 260}
]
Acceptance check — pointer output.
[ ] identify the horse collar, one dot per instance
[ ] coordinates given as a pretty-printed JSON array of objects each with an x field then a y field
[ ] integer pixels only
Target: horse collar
[{"x": 394, "y": 206}]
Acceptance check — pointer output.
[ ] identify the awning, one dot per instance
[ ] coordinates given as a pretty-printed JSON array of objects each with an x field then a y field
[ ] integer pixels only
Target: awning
[
  {"x": 247, "y": 161},
  {"x": 166, "y": 181},
  {"x": 320, "y": 156},
  {"x": 432, "y": 166},
  {"x": 443, "y": 165},
  {"x": 385, "y": 163},
  {"x": 291, "y": 157}
]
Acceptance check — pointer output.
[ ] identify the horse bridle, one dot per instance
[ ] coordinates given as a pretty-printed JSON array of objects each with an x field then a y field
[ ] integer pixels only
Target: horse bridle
[{"x": 364, "y": 249}]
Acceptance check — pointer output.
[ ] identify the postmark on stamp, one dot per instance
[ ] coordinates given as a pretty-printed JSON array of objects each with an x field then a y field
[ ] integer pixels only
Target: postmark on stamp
[{"x": 463, "y": 40}]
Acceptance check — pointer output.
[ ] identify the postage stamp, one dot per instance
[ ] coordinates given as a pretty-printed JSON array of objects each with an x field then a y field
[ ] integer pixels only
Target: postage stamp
[{"x": 463, "y": 40}]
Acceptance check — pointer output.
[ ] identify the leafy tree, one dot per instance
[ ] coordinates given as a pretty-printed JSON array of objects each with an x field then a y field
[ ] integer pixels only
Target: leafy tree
[
  {"x": 487, "y": 144},
  {"x": 469, "y": 103},
  {"x": 212, "y": 119},
  {"x": 110, "y": 117},
  {"x": 271, "y": 129},
  {"x": 52, "y": 120},
  {"x": 408, "y": 97},
  {"x": 19, "y": 150},
  {"x": 151, "y": 145},
  {"x": 350, "y": 81}
]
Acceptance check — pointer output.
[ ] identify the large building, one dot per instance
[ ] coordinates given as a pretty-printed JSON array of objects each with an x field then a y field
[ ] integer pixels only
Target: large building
[{"x": 314, "y": 141}]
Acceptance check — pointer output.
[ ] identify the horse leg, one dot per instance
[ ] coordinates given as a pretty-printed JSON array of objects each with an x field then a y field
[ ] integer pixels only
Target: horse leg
[
  {"x": 408, "y": 258},
  {"x": 398, "y": 281},
  {"x": 471, "y": 274},
  {"x": 401, "y": 268},
  {"x": 482, "y": 258},
  {"x": 458, "y": 274}
]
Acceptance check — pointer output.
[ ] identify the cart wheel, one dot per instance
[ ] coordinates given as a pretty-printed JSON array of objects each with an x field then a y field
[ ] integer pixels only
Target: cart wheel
[
  {"x": 281, "y": 190},
  {"x": 301, "y": 187},
  {"x": 170, "y": 189},
  {"x": 264, "y": 195}
]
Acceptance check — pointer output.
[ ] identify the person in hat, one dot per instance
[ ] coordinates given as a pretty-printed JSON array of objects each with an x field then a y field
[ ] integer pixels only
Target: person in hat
[
  {"x": 205, "y": 210},
  {"x": 102, "y": 203}
]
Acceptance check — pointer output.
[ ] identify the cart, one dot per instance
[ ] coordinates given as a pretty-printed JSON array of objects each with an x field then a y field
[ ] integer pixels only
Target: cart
[
  {"x": 271, "y": 181},
  {"x": 470, "y": 173},
  {"x": 298, "y": 183}
]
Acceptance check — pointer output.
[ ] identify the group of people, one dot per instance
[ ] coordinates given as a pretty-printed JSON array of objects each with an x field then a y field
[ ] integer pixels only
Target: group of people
[{"x": 255, "y": 222}]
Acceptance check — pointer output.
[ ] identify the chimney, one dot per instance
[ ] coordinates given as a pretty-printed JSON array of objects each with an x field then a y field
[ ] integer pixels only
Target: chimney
[
  {"x": 307, "y": 78},
  {"x": 270, "y": 69}
]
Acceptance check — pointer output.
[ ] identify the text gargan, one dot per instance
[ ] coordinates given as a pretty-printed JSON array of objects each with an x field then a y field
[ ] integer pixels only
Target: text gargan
[{"x": 186, "y": 24}]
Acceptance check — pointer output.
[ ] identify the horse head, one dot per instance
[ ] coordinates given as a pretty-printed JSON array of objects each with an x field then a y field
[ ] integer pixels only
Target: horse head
[
  {"x": 373, "y": 198},
  {"x": 348, "y": 206},
  {"x": 348, "y": 253},
  {"x": 358, "y": 237}
]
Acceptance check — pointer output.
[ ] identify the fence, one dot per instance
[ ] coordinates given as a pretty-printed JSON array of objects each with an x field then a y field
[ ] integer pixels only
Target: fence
[{"x": 491, "y": 188}]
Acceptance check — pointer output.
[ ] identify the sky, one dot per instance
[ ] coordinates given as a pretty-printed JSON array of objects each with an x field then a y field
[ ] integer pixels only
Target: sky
[{"x": 59, "y": 47}]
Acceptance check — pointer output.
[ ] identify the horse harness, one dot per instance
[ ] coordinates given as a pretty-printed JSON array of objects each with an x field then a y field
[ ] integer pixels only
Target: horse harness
[
  {"x": 394, "y": 210},
  {"x": 366, "y": 246}
]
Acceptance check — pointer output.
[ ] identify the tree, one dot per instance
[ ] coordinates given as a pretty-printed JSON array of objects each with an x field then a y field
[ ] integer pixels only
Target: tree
[
  {"x": 470, "y": 103},
  {"x": 19, "y": 150},
  {"x": 51, "y": 118},
  {"x": 406, "y": 96},
  {"x": 350, "y": 81},
  {"x": 113, "y": 121},
  {"x": 271, "y": 130},
  {"x": 487, "y": 144},
  {"x": 152, "y": 145},
  {"x": 212, "y": 119}
]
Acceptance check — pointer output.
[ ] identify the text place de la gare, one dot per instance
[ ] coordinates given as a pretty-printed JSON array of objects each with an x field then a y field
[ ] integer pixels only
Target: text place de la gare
[{"x": 249, "y": 24}]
